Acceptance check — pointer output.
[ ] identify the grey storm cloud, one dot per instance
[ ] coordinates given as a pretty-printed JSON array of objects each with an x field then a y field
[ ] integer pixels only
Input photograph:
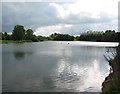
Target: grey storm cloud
[
  {"x": 40, "y": 14},
  {"x": 28, "y": 14}
]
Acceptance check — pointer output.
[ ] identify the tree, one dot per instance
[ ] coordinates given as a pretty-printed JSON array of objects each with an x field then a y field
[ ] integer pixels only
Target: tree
[
  {"x": 34, "y": 38},
  {"x": 18, "y": 32},
  {"x": 118, "y": 36},
  {"x": 41, "y": 38},
  {"x": 0, "y": 35},
  {"x": 63, "y": 37},
  {"x": 108, "y": 36},
  {"x": 5, "y": 35},
  {"x": 9, "y": 37},
  {"x": 29, "y": 34}
]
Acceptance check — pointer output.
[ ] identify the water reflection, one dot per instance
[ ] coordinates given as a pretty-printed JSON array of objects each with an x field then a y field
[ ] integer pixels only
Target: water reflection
[
  {"x": 52, "y": 66},
  {"x": 19, "y": 55},
  {"x": 79, "y": 78}
]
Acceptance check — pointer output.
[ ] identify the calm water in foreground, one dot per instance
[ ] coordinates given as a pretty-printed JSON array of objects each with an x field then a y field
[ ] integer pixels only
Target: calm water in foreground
[{"x": 58, "y": 66}]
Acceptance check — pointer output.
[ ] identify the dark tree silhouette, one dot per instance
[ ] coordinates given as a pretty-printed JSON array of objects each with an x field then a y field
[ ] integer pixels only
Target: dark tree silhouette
[
  {"x": 18, "y": 32},
  {"x": 29, "y": 34}
]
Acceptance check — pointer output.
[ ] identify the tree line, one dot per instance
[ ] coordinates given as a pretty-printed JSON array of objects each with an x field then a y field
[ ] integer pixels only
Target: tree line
[
  {"x": 107, "y": 36},
  {"x": 19, "y": 33}
]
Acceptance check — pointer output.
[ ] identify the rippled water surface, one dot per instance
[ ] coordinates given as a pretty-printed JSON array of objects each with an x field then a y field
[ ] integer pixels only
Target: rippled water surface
[{"x": 58, "y": 66}]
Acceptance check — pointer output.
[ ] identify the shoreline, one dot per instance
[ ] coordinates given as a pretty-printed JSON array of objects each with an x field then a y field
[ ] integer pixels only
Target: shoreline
[
  {"x": 111, "y": 83},
  {"x": 23, "y": 41},
  {"x": 12, "y": 41}
]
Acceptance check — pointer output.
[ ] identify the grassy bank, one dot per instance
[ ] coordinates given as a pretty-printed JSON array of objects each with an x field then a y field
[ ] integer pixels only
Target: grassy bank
[
  {"x": 111, "y": 85},
  {"x": 7, "y": 41},
  {"x": 12, "y": 41}
]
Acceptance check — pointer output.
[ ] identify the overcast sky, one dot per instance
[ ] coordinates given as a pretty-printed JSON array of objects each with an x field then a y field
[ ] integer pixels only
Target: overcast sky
[{"x": 71, "y": 18}]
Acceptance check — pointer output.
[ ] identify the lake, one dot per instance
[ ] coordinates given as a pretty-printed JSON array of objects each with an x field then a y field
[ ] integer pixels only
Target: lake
[{"x": 54, "y": 66}]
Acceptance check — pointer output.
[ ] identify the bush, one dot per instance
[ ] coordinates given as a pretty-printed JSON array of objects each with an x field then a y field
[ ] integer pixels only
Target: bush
[{"x": 34, "y": 38}]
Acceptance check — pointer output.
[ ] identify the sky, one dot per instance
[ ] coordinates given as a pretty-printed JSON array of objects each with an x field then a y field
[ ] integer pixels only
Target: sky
[{"x": 70, "y": 17}]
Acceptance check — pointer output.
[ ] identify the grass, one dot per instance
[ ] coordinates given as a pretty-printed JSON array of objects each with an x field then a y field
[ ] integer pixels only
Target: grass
[
  {"x": 7, "y": 41},
  {"x": 12, "y": 41}
]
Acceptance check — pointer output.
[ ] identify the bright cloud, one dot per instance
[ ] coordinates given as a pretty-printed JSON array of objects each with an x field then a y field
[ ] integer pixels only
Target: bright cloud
[
  {"x": 48, "y": 30},
  {"x": 93, "y": 7},
  {"x": 72, "y": 18}
]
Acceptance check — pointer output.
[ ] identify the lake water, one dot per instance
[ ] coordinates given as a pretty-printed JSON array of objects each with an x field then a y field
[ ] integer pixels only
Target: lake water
[{"x": 54, "y": 66}]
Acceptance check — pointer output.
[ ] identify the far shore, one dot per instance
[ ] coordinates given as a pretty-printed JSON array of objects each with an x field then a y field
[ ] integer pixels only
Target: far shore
[
  {"x": 12, "y": 41},
  {"x": 24, "y": 41}
]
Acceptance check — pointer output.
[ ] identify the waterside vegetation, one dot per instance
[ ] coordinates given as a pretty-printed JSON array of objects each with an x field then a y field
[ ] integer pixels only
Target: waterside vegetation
[
  {"x": 19, "y": 34},
  {"x": 111, "y": 85}
]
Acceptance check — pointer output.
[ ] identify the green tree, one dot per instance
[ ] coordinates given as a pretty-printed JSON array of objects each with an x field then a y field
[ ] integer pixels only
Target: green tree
[
  {"x": 18, "y": 32},
  {"x": 108, "y": 36},
  {"x": 29, "y": 34},
  {"x": 40, "y": 38},
  {"x": 34, "y": 38},
  {"x": 5, "y": 35},
  {"x": 118, "y": 36},
  {"x": 9, "y": 37},
  {"x": 63, "y": 37},
  {"x": 0, "y": 35}
]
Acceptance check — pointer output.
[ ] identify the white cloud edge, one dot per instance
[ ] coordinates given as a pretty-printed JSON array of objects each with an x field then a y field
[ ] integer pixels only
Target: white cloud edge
[{"x": 37, "y": 0}]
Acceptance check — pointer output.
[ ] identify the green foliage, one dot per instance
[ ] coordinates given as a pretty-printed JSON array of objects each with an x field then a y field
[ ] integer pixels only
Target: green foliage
[
  {"x": 61, "y": 37},
  {"x": 108, "y": 36},
  {"x": 34, "y": 38},
  {"x": 9, "y": 37},
  {"x": 90, "y": 36},
  {"x": 40, "y": 38},
  {"x": 18, "y": 32},
  {"x": 111, "y": 85},
  {"x": 118, "y": 36},
  {"x": 0, "y": 35},
  {"x": 5, "y": 35},
  {"x": 7, "y": 41},
  {"x": 29, "y": 34}
]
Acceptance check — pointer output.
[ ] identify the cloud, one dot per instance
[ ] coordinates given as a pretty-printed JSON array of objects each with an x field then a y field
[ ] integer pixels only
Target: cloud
[
  {"x": 28, "y": 14},
  {"x": 75, "y": 29},
  {"x": 47, "y": 30},
  {"x": 63, "y": 17}
]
